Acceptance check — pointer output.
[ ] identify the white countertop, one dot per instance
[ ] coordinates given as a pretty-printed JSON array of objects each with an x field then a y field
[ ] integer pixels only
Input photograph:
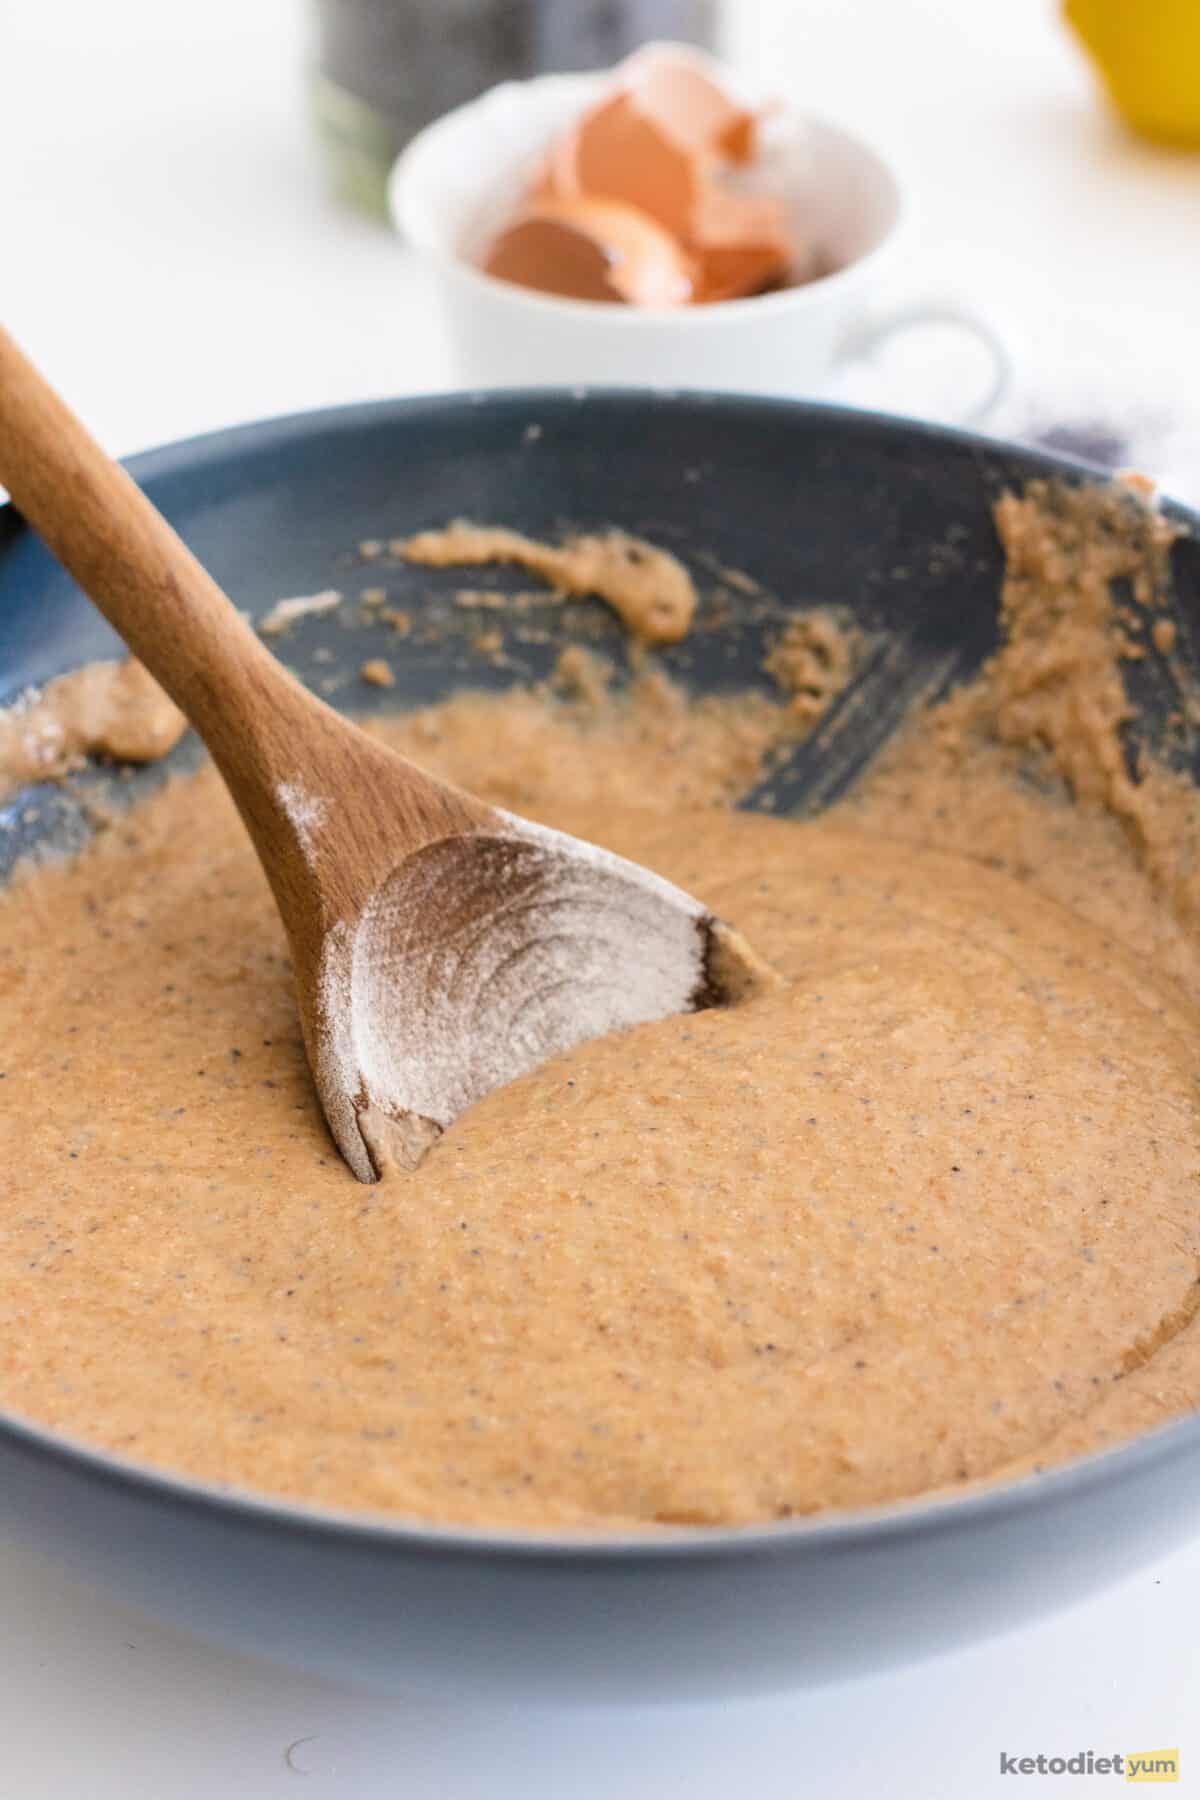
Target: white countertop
[{"x": 169, "y": 257}]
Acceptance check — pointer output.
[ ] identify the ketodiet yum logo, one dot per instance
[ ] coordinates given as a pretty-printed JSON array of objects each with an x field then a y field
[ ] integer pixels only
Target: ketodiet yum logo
[{"x": 1126, "y": 1765}]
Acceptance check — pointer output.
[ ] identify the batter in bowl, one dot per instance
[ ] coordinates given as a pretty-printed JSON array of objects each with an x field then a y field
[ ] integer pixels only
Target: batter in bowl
[{"x": 923, "y": 1214}]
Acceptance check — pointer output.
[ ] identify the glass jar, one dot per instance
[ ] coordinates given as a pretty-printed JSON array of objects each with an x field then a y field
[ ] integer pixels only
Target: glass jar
[{"x": 382, "y": 69}]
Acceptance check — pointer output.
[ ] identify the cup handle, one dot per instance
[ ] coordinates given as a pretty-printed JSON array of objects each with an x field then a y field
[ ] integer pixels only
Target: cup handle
[{"x": 868, "y": 335}]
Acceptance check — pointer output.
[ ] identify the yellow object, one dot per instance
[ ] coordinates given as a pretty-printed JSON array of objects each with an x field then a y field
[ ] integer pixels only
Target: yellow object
[{"x": 1148, "y": 52}]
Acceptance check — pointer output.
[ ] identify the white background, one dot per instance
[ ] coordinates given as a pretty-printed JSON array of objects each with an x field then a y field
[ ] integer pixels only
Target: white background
[{"x": 168, "y": 254}]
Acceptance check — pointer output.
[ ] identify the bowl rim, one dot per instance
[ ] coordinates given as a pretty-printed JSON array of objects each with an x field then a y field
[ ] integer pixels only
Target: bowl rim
[{"x": 987, "y": 1502}]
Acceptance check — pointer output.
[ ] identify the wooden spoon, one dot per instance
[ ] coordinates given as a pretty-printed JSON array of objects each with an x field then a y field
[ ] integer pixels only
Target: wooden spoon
[{"x": 440, "y": 946}]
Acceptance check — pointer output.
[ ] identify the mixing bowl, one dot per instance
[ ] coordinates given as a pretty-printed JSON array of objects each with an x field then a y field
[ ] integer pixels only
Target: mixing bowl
[{"x": 888, "y": 519}]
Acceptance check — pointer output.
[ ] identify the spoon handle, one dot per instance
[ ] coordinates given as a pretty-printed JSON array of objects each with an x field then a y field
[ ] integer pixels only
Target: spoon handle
[{"x": 134, "y": 567}]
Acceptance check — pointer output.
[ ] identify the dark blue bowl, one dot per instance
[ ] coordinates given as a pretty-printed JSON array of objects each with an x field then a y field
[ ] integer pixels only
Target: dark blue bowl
[{"x": 887, "y": 518}]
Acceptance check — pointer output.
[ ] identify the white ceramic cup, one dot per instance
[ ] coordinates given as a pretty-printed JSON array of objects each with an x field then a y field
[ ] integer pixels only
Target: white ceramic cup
[{"x": 456, "y": 182}]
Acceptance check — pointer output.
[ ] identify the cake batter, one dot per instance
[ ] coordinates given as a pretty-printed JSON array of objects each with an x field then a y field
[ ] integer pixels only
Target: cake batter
[{"x": 924, "y": 1214}]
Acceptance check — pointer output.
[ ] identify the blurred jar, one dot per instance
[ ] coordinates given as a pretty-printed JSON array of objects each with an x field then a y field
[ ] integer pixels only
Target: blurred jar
[{"x": 382, "y": 69}]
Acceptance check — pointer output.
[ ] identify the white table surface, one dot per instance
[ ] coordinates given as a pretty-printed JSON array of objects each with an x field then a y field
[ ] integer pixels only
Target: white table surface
[{"x": 168, "y": 255}]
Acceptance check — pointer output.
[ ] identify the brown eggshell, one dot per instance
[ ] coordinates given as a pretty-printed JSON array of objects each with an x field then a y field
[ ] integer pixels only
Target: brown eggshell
[
  {"x": 689, "y": 107},
  {"x": 586, "y": 249},
  {"x": 741, "y": 244},
  {"x": 617, "y": 152},
  {"x": 651, "y": 150}
]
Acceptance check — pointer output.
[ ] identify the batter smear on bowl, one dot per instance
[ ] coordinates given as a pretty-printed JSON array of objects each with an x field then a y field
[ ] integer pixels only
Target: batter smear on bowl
[{"x": 925, "y": 1212}]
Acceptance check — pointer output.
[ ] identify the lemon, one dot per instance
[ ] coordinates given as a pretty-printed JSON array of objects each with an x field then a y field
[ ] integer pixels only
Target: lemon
[{"x": 1148, "y": 52}]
